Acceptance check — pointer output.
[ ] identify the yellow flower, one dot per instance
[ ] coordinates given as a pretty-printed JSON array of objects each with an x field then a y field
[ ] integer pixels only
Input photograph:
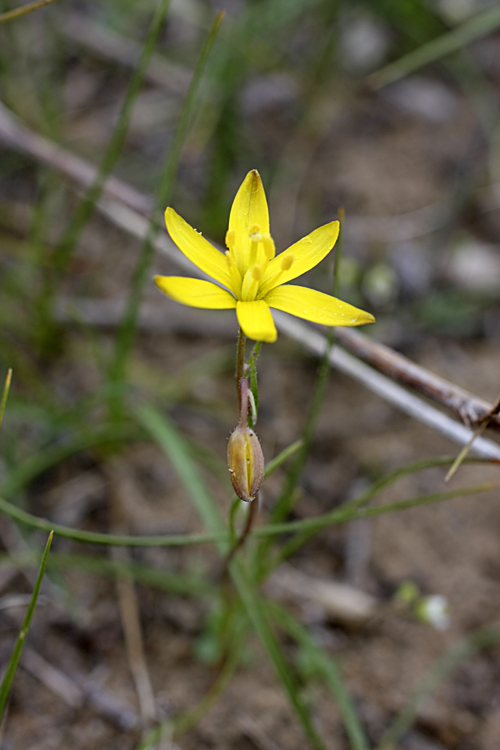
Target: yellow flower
[{"x": 251, "y": 272}]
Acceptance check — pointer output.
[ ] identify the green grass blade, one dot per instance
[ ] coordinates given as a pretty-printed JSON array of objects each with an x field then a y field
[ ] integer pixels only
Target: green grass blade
[
  {"x": 46, "y": 458},
  {"x": 178, "y": 725},
  {"x": 451, "y": 659},
  {"x": 85, "y": 208},
  {"x": 127, "y": 330},
  {"x": 257, "y": 612},
  {"x": 177, "y": 450},
  {"x": 110, "y": 540},
  {"x": 223, "y": 538},
  {"x": 342, "y": 515},
  {"x": 285, "y": 454},
  {"x": 5, "y": 394},
  {"x": 285, "y": 500},
  {"x": 10, "y": 15},
  {"x": 21, "y": 638},
  {"x": 147, "y": 575},
  {"x": 327, "y": 667},
  {"x": 453, "y": 41},
  {"x": 366, "y": 497}
]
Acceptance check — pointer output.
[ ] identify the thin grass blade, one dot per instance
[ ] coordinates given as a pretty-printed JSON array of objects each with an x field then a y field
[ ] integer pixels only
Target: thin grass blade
[
  {"x": 451, "y": 659},
  {"x": 330, "y": 672},
  {"x": 109, "y": 540},
  {"x": 349, "y": 510},
  {"x": 127, "y": 330},
  {"x": 285, "y": 500},
  {"x": 177, "y": 449},
  {"x": 10, "y": 15},
  {"x": 280, "y": 459},
  {"x": 84, "y": 211},
  {"x": 5, "y": 394},
  {"x": 21, "y": 638},
  {"x": 223, "y": 538},
  {"x": 453, "y": 41},
  {"x": 256, "y": 608},
  {"x": 46, "y": 458}
]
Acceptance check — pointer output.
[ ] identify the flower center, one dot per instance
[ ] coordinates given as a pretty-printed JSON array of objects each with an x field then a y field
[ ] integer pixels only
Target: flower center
[
  {"x": 251, "y": 283},
  {"x": 261, "y": 250},
  {"x": 247, "y": 260}
]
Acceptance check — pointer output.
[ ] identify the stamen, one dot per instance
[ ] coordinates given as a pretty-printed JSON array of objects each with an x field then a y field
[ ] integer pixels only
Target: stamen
[
  {"x": 285, "y": 263},
  {"x": 254, "y": 248},
  {"x": 256, "y": 273},
  {"x": 251, "y": 281},
  {"x": 255, "y": 229}
]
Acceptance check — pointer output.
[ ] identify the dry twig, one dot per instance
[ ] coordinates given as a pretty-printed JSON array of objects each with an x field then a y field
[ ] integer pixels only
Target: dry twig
[
  {"x": 471, "y": 409},
  {"x": 121, "y": 485},
  {"x": 82, "y": 30},
  {"x": 76, "y": 692}
]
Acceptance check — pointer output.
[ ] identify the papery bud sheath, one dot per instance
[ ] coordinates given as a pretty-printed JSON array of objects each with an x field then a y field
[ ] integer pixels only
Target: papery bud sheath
[
  {"x": 244, "y": 454},
  {"x": 246, "y": 462}
]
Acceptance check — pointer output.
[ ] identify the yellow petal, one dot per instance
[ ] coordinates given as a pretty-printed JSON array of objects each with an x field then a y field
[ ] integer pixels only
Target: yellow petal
[
  {"x": 316, "y": 306},
  {"x": 306, "y": 253},
  {"x": 256, "y": 321},
  {"x": 248, "y": 210},
  {"x": 195, "y": 292},
  {"x": 197, "y": 248}
]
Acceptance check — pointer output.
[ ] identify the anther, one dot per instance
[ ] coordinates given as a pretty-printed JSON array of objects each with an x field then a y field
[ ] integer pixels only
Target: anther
[
  {"x": 287, "y": 262},
  {"x": 256, "y": 273}
]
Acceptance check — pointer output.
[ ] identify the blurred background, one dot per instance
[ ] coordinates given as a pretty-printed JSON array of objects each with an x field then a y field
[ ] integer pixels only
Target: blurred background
[{"x": 387, "y": 109}]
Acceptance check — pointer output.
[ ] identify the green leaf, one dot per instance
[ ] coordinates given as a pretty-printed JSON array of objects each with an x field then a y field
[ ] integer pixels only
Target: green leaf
[
  {"x": 5, "y": 394},
  {"x": 327, "y": 668},
  {"x": 451, "y": 659},
  {"x": 177, "y": 449},
  {"x": 21, "y": 638},
  {"x": 453, "y": 41}
]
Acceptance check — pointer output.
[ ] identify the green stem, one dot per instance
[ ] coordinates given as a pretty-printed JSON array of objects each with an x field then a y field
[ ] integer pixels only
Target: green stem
[
  {"x": 240, "y": 364},
  {"x": 221, "y": 538},
  {"x": 251, "y": 516},
  {"x": 254, "y": 387}
]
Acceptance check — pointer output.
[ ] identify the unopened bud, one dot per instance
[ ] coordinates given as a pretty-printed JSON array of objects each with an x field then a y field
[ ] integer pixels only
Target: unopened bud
[
  {"x": 246, "y": 463},
  {"x": 244, "y": 454}
]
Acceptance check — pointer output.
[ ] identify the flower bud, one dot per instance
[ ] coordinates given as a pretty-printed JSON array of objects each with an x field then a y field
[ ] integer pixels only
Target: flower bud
[
  {"x": 244, "y": 454},
  {"x": 246, "y": 462}
]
